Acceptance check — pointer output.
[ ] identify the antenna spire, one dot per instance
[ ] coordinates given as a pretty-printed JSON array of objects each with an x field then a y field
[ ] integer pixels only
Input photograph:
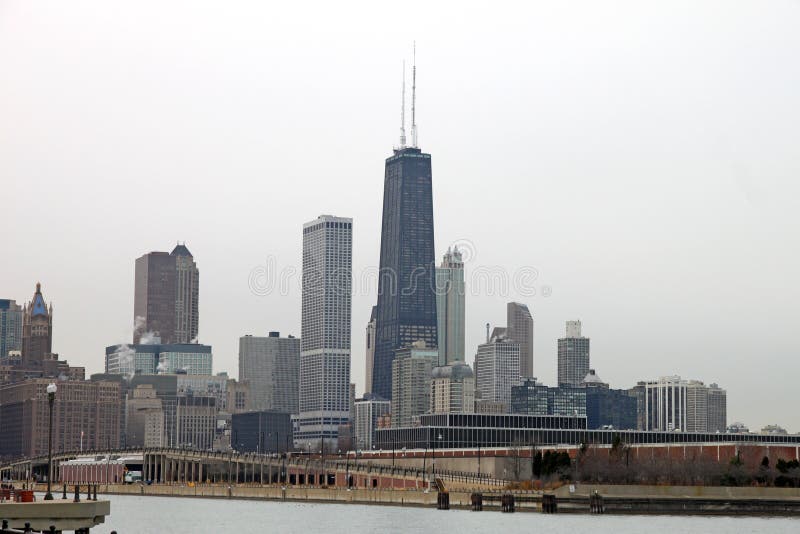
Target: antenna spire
[
  {"x": 403, "y": 111},
  {"x": 414, "y": 99}
]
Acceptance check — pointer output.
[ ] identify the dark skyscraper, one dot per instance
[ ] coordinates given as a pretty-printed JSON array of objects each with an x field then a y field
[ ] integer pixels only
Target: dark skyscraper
[
  {"x": 406, "y": 298},
  {"x": 166, "y": 297}
]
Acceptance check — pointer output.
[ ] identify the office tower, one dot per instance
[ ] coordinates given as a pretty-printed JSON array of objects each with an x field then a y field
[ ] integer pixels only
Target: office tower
[
  {"x": 84, "y": 413},
  {"x": 696, "y": 407},
  {"x": 144, "y": 419},
  {"x": 450, "y": 294},
  {"x": 411, "y": 382},
  {"x": 370, "y": 352},
  {"x": 573, "y": 356},
  {"x": 37, "y": 332},
  {"x": 264, "y": 432},
  {"x": 166, "y": 297},
  {"x": 325, "y": 327},
  {"x": 272, "y": 367},
  {"x": 187, "y": 358},
  {"x": 519, "y": 324},
  {"x": 187, "y": 295},
  {"x": 688, "y": 405},
  {"x": 606, "y": 407},
  {"x": 368, "y": 411},
  {"x": 406, "y": 284},
  {"x": 665, "y": 402},
  {"x": 453, "y": 389},
  {"x": 717, "y": 409},
  {"x": 497, "y": 370},
  {"x": 532, "y": 398},
  {"x": 10, "y": 327}
]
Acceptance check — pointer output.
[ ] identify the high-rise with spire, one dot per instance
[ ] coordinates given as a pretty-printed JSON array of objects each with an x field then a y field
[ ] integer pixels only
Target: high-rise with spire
[
  {"x": 37, "y": 331},
  {"x": 406, "y": 310},
  {"x": 450, "y": 307}
]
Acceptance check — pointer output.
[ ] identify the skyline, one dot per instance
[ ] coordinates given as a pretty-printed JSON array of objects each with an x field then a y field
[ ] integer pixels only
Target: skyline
[{"x": 665, "y": 223}]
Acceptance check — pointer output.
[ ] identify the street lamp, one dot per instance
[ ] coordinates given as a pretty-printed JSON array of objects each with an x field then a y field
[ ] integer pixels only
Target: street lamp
[{"x": 51, "y": 397}]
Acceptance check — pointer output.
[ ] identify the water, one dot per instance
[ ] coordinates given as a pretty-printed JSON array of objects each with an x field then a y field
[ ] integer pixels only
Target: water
[{"x": 177, "y": 515}]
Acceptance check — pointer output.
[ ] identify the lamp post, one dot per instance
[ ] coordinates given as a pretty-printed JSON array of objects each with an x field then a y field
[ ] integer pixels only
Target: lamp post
[{"x": 51, "y": 397}]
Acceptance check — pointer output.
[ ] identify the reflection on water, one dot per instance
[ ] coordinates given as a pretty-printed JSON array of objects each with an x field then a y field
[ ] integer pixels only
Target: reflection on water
[{"x": 131, "y": 514}]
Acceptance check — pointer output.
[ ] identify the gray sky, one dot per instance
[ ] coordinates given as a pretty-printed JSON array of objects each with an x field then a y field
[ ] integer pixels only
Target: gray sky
[{"x": 641, "y": 156}]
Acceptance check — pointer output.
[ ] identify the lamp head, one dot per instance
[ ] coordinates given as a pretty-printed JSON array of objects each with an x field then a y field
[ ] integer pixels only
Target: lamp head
[{"x": 51, "y": 388}]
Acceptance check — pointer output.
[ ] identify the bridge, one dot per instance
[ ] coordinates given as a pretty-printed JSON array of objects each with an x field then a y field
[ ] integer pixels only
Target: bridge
[{"x": 190, "y": 467}]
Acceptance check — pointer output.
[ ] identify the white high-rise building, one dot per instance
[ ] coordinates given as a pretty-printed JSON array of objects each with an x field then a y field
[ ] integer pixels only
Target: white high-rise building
[
  {"x": 325, "y": 331},
  {"x": 573, "y": 356},
  {"x": 497, "y": 370},
  {"x": 450, "y": 308},
  {"x": 453, "y": 389},
  {"x": 673, "y": 404},
  {"x": 368, "y": 411}
]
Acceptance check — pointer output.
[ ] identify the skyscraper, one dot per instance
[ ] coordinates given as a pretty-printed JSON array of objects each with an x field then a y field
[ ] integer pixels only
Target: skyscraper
[
  {"x": 10, "y": 327},
  {"x": 497, "y": 370},
  {"x": 406, "y": 284},
  {"x": 450, "y": 308},
  {"x": 370, "y": 348},
  {"x": 573, "y": 356},
  {"x": 166, "y": 296},
  {"x": 187, "y": 295},
  {"x": 325, "y": 328},
  {"x": 272, "y": 366},
  {"x": 37, "y": 331},
  {"x": 411, "y": 382},
  {"x": 519, "y": 323}
]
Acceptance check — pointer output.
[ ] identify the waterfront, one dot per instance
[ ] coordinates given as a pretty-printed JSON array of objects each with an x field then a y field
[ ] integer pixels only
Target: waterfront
[{"x": 134, "y": 514}]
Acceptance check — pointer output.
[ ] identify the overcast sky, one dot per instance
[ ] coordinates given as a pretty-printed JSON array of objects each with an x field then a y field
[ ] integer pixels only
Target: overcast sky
[{"x": 642, "y": 157}]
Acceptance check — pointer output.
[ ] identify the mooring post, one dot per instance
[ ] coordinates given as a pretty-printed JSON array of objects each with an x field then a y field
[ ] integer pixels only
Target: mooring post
[
  {"x": 77, "y": 493},
  {"x": 64, "y": 496}
]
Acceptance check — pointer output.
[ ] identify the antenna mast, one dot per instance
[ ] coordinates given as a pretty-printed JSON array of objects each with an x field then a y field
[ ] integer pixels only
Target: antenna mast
[
  {"x": 403, "y": 111},
  {"x": 414, "y": 99}
]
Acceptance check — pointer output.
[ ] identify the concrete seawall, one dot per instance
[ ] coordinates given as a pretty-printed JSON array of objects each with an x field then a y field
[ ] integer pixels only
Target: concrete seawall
[{"x": 615, "y": 499}]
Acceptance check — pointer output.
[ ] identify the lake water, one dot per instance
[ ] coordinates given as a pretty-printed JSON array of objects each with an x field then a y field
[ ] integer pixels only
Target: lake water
[{"x": 175, "y": 515}]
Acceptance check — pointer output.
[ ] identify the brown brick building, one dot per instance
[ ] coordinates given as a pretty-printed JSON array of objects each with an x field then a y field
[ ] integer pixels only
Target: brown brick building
[{"x": 86, "y": 413}]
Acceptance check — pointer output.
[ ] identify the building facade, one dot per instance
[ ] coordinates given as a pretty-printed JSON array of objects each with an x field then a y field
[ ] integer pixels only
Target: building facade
[
  {"x": 85, "y": 414},
  {"x": 519, "y": 325},
  {"x": 606, "y": 407},
  {"x": 264, "y": 432},
  {"x": 324, "y": 397},
  {"x": 189, "y": 358},
  {"x": 531, "y": 398},
  {"x": 10, "y": 327},
  {"x": 367, "y": 413},
  {"x": 166, "y": 297},
  {"x": 450, "y": 312},
  {"x": 144, "y": 418},
  {"x": 272, "y": 367},
  {"x": 406, "y": 296},
  {"x": 497, "y": 370},
  {"x": 452, "y": 388},
  {"x": 411, "y": 382},
  {"x": 573, "y": 356},
  {"x": 673, "y": 404}
]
